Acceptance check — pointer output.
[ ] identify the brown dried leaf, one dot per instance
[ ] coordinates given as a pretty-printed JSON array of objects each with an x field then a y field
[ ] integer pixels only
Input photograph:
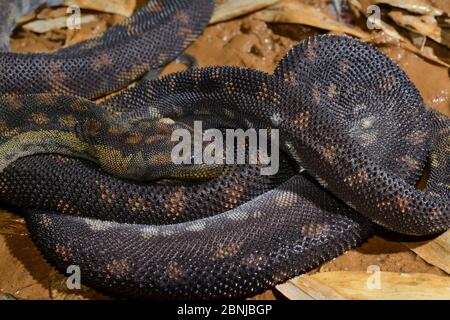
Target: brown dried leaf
[
  {"x": 354, "y": 285},
  {"x": 292, "y": 11},
  {"x": 385, "y": 27},
  {"x": 424, "y": 25},
  {"x": 435, "y": 252},
  {"x": 415, "y": 6},
  {"x": 43, "y": 26},
  {"x": 11, "y": 224},
  {"x": 229, "y": 9},
  {"x": 393, "y": 33},
  {"x": 121, "y": 7},
  {"x": 27, "y": 18},
  {"x": 418, "y": 40},
  {"x": 59, "y": 291},
  {"x": 51, "y": 12},
  {"x": 267, "y": 295}
]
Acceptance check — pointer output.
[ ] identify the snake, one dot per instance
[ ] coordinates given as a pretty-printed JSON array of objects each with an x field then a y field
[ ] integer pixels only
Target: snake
[
  {"x": 152, "y": 37},
  {"x": 346, "y": 113}
]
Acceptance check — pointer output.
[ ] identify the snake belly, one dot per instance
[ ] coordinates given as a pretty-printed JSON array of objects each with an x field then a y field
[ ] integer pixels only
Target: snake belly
[{"x": 365, "y": 141}]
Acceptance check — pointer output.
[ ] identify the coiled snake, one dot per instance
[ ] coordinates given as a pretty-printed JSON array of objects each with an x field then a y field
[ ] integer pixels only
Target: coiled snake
[{"x": 346, "y": 113}]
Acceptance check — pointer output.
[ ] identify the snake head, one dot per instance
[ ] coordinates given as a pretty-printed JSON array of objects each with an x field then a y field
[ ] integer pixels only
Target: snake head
[{"x": 144, "y": 150}]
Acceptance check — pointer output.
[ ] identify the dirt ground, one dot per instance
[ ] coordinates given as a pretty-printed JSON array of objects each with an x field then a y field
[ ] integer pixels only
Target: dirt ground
[{"x": 245, "y": 42}]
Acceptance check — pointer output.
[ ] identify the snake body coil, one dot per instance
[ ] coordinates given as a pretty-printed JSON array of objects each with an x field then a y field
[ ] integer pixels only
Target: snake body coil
[{"x": 345, "y": 112}]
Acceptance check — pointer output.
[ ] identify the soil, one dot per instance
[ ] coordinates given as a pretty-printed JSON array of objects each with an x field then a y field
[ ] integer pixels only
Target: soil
[{"x": 244, "y": 42}]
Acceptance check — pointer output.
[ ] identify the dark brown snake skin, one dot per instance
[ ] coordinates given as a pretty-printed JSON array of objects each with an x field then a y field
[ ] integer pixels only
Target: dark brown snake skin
[
  {"x": 345, "y": 112},
  {"x": 155, "y": 35}
]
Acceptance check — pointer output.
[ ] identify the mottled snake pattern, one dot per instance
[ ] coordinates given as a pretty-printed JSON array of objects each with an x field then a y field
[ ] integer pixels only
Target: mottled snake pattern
[{"x": 346, "y": 113}]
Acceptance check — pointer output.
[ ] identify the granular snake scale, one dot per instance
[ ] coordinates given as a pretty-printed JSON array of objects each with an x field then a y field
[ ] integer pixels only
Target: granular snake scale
[{"x": 155, "y": 35}]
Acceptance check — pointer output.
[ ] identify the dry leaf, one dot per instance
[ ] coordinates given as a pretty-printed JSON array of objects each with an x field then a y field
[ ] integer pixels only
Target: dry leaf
[
  {"x": 418, "y": 40},
  {"x": 292, "y": 11},
  {"x": 58, "y": 289},
  {"x": 11, "y": 224},
  {"x": 267, "y": 295},
  {"x": 385, "y": 27},
  {"x": 27, "y": 18},
  {"x": 424, "y": 25},
  {"x": 121, "y": 7},
  {"x": 435, "y": 252},
  {"x": 415, "y": 6},
  {"x": 354, "y": 285},
  {"x": 229, "y": 9},
  {"x": 293, "y": 292},
  {"x": 43, "y": 26}
]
